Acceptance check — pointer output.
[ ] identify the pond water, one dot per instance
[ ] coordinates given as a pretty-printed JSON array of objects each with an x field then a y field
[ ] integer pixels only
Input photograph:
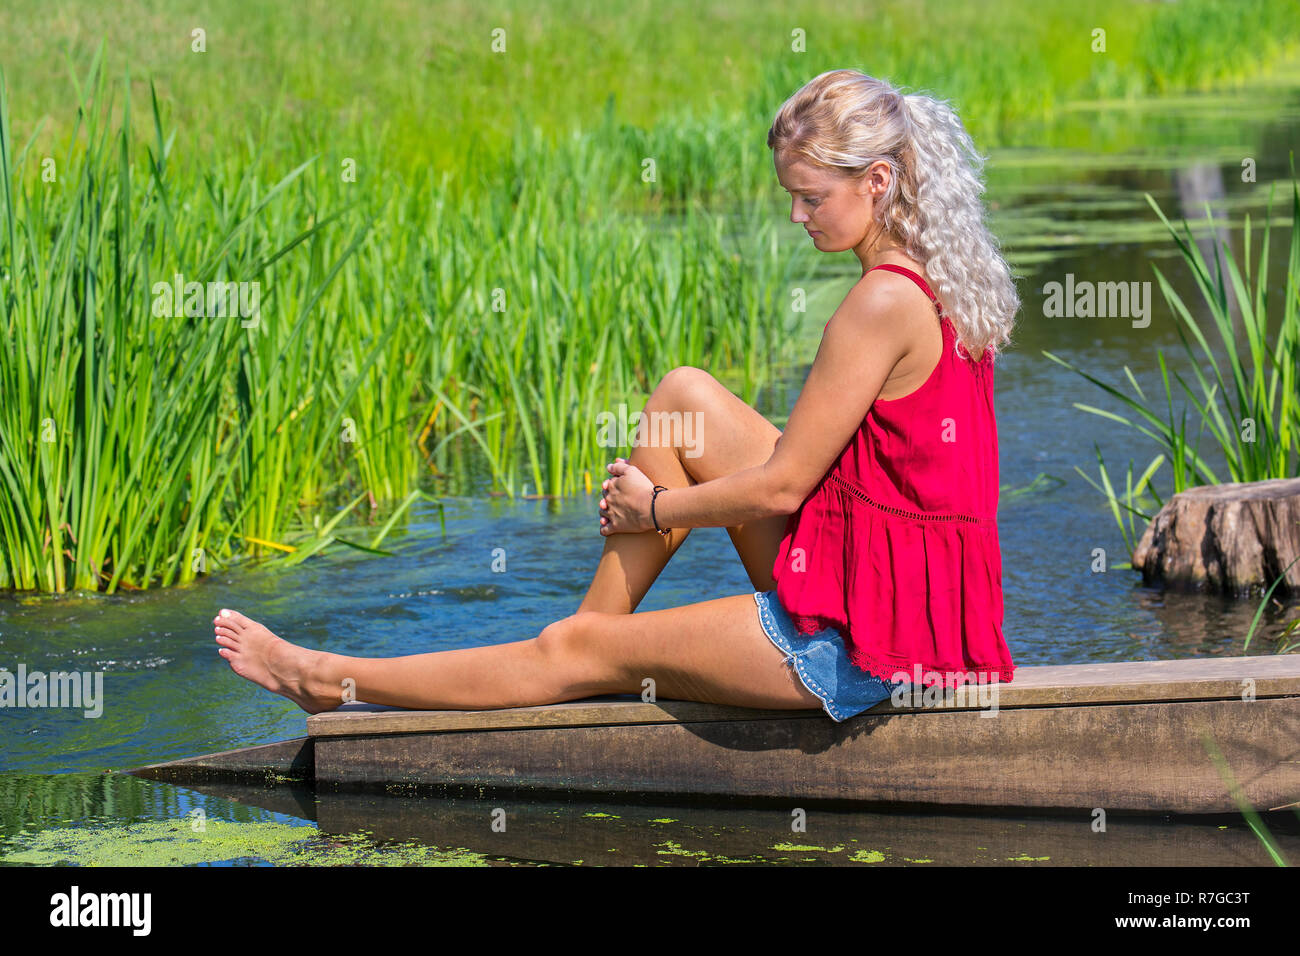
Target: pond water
[{"x": 1066, "y": 209}]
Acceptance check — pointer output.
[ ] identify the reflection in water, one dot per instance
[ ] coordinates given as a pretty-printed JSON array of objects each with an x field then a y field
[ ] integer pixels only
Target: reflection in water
[
  {"x": 116, "y": 819},
  {"x": 1199, "y": 184}
]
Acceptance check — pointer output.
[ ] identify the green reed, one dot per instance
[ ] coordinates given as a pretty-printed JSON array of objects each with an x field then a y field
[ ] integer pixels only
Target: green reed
[
  {"x": 94, "y": 399},
  {"x": 1287, "y": 629},
  {"x": 1249, "y": 813},
  {"x": 396, "y": 319},
  {"x": 1249, "y": 403}
]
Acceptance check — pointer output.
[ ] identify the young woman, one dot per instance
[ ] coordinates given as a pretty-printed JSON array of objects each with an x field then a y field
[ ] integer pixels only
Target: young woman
[{"x": 868, "y": 527}]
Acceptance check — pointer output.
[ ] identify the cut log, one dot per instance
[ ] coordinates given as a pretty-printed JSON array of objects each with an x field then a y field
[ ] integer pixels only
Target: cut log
[{"x": 1234, "y": 538}]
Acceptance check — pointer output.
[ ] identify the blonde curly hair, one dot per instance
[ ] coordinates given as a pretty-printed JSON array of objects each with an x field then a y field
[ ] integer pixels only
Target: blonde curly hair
[{"x": 845, "y": 120}]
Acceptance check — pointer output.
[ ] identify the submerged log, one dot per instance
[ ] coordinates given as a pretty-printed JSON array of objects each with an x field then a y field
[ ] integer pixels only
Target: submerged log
[{"x": 1233, "y": 538}]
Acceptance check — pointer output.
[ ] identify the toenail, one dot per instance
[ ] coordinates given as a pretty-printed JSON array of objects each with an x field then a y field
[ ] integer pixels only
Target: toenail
[{"x": 225, "y": 613}]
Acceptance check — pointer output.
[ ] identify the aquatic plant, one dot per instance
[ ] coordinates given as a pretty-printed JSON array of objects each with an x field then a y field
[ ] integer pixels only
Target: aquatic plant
[
  {"x": 177, "y": 843},
  {"x": 1252, "y": 411},
  {"x": 211, "y": 363},
  {"x": 1249, "y": 813},
  {"x": 1288, "y": 629}
]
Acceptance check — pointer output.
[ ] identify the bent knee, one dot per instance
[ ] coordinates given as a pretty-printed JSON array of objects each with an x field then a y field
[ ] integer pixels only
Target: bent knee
[{"x": 685, "y": 383}]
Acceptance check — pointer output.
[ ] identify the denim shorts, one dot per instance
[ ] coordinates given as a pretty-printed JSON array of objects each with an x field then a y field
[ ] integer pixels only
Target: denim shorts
[{"x": 822, "y": 662}]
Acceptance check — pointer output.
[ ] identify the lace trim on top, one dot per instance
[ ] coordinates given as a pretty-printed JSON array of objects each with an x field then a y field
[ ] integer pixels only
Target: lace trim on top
[{"x": 852, "y": 488}]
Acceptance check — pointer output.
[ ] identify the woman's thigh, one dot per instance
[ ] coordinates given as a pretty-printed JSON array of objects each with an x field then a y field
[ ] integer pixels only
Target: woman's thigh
[{"x": 714, "y": 651}]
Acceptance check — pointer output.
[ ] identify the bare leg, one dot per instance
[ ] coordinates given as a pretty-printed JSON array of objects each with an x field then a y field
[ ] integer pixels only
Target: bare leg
[
  {"x": 732, "y": 437},
  {"x": 713, "y": 651},
  {"x": 594, "y": 651}
]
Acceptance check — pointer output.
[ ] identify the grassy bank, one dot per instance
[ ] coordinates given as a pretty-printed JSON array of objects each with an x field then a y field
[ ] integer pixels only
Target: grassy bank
[{"x": 414, "y": 85}]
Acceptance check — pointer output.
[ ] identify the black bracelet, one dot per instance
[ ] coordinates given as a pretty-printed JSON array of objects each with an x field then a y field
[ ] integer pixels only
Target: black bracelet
[{"x": 662, "y": 531}]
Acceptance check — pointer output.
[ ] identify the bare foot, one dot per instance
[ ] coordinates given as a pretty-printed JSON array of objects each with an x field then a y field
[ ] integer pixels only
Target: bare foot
[{"x": 255, "y": 653}]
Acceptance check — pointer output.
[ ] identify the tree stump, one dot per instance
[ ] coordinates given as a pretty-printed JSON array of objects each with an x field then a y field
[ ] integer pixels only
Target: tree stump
[{"x": 1232, "y": 538}]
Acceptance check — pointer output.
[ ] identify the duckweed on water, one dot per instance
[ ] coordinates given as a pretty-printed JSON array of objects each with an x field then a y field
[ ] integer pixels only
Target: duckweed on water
[
  {"x": 867, "y": 856},
  {"x": 793, "y": 847},
  {"x": 174, "y": 843},
  {"x": 675, "y": 849}
]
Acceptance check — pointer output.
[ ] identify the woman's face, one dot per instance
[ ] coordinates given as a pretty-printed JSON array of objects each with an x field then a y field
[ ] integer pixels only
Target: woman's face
[{"x": 835, "y": 210}]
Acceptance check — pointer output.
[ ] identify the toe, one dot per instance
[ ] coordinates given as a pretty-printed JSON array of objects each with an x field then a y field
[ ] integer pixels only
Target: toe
[
  {"x": 226, "y": 631},
  {"x": 235, "y": 620}
]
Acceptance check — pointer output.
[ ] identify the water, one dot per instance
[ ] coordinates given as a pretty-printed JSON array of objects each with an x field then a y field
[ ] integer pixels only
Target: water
[
  {"x": 1060, "y": 210},
  {"x": 107, "y": 820}
]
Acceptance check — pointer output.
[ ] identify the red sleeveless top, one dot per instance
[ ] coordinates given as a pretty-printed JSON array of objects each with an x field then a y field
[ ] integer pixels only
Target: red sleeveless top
[{"x": 897, "y": 546}]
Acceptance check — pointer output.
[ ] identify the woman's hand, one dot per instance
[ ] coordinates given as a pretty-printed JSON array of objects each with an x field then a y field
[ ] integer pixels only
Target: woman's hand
[{"x": 626, "y": 505}]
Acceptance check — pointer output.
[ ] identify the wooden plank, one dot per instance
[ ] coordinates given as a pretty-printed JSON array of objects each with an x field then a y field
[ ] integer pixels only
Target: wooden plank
[
  {"x": 350, "y": 720},
  {"x": 282, "y": 760},
  {"x": 1123, "y": 736},
  {"x": 1211, "y": 678},
  {"x": 1143, "y": 757}
]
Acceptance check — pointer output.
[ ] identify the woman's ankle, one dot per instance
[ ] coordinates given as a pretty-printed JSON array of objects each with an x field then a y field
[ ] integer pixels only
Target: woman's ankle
[{"x": 326, "y": 676}]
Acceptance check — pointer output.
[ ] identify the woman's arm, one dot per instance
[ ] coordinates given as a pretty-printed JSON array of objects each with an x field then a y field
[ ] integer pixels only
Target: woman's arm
[{"x": 862, "y": 343}]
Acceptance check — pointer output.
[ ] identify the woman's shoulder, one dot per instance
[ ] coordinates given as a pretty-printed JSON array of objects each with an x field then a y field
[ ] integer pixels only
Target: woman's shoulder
[
  {"x": 914, "y": 316},
  {"x": 902, "y": 295},
  {"x": 884, "y": 275},
  {"x": 914, "y": 307}
]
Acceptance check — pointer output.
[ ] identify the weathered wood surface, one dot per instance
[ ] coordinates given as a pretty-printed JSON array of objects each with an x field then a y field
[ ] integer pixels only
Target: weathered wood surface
[
  {"x": 1232, "y": 538},
  {"x": 282, "y": 760},
  {"x": 1042, "y": 686},
  {"x": 1125, "y": 737},
  {"x": 1120, "y": 757}
]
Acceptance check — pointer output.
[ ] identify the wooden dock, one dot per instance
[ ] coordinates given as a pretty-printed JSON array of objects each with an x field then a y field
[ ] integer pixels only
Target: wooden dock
[{"x": 1132, "y": 737}]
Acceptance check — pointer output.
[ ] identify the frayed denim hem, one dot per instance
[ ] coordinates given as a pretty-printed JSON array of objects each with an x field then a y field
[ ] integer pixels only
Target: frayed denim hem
[
  {"x": 782, "y": 643},
  {"x": 821, "y": 660}
]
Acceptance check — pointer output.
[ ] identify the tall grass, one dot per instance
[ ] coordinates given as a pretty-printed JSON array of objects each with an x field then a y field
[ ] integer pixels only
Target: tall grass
[
  {"x": 427, "y": 73},
  {"x": 396, "y": 320},
  {"x": 1249, "y": 403}
]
